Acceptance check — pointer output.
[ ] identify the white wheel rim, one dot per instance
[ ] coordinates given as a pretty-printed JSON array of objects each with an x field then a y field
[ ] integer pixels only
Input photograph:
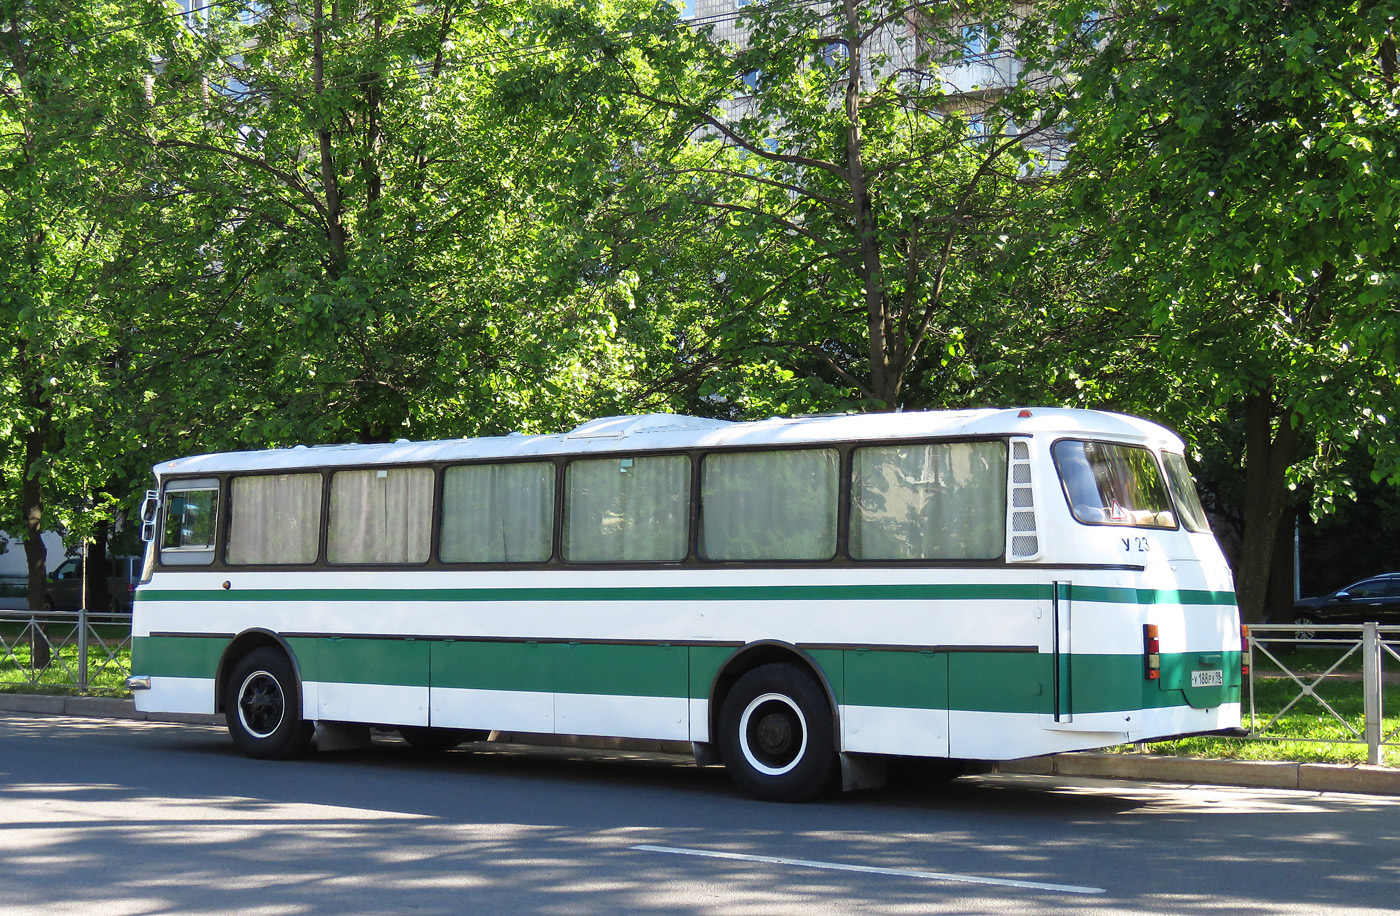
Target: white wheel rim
[
  {"x": 243, "y": 702},
  {"x": 749, "y": 754}
]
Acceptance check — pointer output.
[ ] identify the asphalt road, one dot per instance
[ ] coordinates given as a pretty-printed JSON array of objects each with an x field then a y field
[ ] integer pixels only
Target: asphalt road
[{"x": 115, "y": 817}]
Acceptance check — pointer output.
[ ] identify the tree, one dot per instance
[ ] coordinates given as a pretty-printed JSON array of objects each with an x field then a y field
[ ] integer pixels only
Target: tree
[
  {"x": 841, "y": 155},
  {"x": 1240, "y": 158},
  {"x": 384, "y": 255},
  {"x": 69, "y": 73}
]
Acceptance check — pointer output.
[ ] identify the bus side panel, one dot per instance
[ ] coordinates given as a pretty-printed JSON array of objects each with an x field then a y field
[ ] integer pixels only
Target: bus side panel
[
  {"x": 895, "y": 702},
  {"x": 383, "y": 681},
  {"x": 182, "y": 671},
  {"x": 492, "y": 685},
  {"x": 622, "y": 691},
  {"x": 705, "y": 662}
]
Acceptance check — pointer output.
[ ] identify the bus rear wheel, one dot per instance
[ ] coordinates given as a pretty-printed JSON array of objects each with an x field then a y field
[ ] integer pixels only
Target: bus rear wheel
[
  {"x": 264, "y": 710},
  {"x": 776, "y": 734}
]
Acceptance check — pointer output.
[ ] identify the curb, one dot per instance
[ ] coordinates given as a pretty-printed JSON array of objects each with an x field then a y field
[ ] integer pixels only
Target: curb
[
  {"x": 96, "y": 708},
  {"x": 1259, "y": 774},
  {"x": 1308, "y": 777}
]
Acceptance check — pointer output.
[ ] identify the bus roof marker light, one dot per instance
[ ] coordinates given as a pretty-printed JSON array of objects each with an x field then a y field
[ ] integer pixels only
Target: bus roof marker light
[{"x": 1024, "y": 415}]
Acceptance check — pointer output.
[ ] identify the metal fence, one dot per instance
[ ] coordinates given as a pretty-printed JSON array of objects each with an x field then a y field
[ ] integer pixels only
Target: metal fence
[
  {"x": 1296, "y": 656},
  {"x": 90, "y": 652},
  {"x": 65, "y": 650}
]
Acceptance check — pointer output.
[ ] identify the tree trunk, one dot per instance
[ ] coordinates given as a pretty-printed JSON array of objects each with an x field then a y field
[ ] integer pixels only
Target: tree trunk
[
  {"x": 1280, "y": 597},
  {"x": 98, "y": 597},
  {"x": 335, "y": 213},
  {"x": 1269, "y": 452},
  {"x": 35, "y": 555},
  {"x": 884, "y": 382}
]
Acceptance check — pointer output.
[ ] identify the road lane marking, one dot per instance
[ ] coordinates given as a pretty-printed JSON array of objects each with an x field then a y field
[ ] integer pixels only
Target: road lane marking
[{"x": 874, "y": 870}]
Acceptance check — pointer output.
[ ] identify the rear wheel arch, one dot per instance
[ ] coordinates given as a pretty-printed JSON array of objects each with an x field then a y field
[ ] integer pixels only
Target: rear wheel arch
[{"x": 764, "y": 652}]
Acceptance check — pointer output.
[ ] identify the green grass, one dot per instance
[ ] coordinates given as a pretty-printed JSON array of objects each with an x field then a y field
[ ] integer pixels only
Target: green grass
[
  {"x": 1302, "y": 734},
  {"x": 105, "y": 676}
]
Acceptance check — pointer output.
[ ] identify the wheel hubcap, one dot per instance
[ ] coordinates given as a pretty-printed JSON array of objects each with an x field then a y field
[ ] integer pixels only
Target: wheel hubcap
[
  {"x": 261, "y": 704},
  {"x": 773, "y": 734}
]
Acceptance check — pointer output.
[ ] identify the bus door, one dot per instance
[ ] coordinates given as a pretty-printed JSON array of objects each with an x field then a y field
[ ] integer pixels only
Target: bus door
[{"x": 1061, "y": 652}]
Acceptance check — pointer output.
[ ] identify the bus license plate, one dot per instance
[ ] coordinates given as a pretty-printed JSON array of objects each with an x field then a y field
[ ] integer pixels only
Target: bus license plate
[{"x": 1214, "y": 678}]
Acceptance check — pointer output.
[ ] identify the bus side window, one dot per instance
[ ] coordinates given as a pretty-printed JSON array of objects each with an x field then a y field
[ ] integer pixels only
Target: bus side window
[
  {"x": 627, "y": 510},
  {"x": 498, "y": 513},
  {"x": 274, "y": 519},
  {"x": 381, "y": 515},
  {"x": 189, "y": 523},
  {"x": 778, "y": 505},
  {"x": 940, "y": 501}
]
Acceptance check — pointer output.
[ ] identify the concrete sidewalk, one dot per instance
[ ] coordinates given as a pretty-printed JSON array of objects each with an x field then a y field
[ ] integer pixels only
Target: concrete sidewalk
[{"x": 1309, "y": 777}]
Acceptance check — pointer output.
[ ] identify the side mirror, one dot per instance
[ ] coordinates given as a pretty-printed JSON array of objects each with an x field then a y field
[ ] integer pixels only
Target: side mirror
[
  {"x": 1343, "y": 596},
  {"x": 150, "y": 509}
]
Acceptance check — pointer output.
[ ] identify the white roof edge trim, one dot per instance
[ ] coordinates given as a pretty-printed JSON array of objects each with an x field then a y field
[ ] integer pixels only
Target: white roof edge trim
[{"x": 662, "y": 432}]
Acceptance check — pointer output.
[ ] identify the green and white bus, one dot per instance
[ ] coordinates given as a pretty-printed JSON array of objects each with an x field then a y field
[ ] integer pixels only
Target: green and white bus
[{"x": 800, "y": 599}]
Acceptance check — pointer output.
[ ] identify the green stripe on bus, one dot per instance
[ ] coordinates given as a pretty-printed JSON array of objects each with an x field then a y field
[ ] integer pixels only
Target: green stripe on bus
[
  {"x": 1007, "y": 682},
  {"x": 177, "y": 656},
  {"x": 889, "y": 592}
]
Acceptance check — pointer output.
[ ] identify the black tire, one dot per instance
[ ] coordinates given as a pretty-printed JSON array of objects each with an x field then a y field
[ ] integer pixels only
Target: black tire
[
  {"x": 1305, "y": 627},
  {"x": 776, "y": 734},
  {"x": 438, "y": 740},
  {"x": 263, "y": 707}
]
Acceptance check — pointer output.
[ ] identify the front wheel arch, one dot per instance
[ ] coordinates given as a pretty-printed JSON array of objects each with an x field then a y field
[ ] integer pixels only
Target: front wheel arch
[
  {"x": 240, "y": 646},
  {"x": 264, "y": 715}
]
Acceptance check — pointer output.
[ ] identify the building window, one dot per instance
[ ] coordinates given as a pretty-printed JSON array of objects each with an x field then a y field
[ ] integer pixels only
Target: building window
[{"x": 974, "y": 40}]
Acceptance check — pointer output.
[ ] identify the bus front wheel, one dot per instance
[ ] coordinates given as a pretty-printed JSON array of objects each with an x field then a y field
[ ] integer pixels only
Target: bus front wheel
[
  {"x": 776, "y": 734},
  {"x": 264, "y": 712}
]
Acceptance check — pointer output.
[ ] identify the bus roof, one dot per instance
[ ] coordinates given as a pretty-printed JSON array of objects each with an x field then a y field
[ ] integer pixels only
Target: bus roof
[{"x": 660, "y": 432}]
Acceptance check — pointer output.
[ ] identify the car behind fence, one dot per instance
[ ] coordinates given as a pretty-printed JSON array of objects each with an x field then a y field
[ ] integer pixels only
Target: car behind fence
[{"x": 1339, "y": 674}]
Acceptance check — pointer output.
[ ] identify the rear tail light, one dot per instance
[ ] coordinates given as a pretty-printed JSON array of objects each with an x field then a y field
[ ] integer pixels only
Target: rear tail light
[
  {"x": 1151, "y": 652},
  {"x": 1244, "y": 650}
]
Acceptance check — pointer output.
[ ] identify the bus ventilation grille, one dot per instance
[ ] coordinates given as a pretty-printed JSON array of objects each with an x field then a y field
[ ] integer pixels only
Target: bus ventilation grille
[{"x": 1025, "y": 539}]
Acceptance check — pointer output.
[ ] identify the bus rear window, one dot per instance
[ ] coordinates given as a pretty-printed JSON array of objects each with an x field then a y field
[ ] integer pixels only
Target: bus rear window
[{"x": 1111, "y": 484}]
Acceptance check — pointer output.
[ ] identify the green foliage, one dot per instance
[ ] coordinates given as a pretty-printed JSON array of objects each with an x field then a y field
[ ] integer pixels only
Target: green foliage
[{"x": 819, "y": 219}]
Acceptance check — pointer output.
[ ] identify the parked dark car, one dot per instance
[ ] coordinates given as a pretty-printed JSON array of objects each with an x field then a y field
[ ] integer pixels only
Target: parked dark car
[
  {"x": 1376, "y": 599},
  {"x": 66, "y": 584}
]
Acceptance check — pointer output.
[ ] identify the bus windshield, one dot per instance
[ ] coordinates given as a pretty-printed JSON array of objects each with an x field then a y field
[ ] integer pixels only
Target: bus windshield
[
  {"x": 1188, "y": 503},
  {"x": 1111, "y": 484}
]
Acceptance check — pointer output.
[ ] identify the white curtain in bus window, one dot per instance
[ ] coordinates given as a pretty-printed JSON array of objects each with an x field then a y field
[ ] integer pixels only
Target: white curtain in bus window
[
  {"x": 941, "y": 501},
  {"x": 627, "y": 510},
  {"x": 498, "y": 513},
  {"x": 274, "y": 519},
  {"x": 769, "y": 505},
  {"x": 382, "y": 515}
]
